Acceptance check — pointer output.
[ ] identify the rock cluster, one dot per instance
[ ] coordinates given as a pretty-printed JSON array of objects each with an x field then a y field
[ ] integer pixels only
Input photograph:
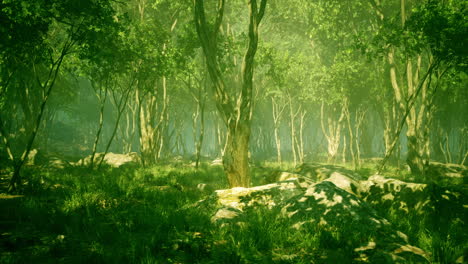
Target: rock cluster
[{"x": 333, "y": 198}]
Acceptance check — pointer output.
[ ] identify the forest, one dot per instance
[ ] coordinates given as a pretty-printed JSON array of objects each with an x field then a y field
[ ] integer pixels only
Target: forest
[{"x": 247, "y": 131}]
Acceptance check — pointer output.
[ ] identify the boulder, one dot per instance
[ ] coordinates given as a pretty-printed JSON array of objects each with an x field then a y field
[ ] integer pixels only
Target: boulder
[
  {"x": 441, "y": 207},
  {"x": 112, "y": 159},
  {"x": 319, "y": 172},
  {"x": 345, "y": 182},
  {"x": 217, "y": 162},
  {"x": 326, "y": 206},
  {"x": 329, "y": 205},
  {"x": 392, "y": 193},
  {"x": 117, "y": 160},
  {"x": 57, "y": 163},
  {"x": 236, "y": 199},
  {"x": 288, "y": 176},
  {"x": 447, "y": 172}
]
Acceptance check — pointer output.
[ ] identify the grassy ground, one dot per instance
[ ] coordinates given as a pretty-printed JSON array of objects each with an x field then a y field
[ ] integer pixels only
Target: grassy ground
[{"x": 136, "y": 215}]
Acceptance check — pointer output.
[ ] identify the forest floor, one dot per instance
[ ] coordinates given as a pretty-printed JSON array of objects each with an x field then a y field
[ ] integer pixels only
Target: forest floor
[{"x": 149, "y": 215}]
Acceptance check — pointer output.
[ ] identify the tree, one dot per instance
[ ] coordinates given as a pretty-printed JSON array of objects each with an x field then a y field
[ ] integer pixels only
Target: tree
[
  {"x": 38, "y": 37},
  {"x": 236, "y": 115},
  {"x": 420, "y": 44}
]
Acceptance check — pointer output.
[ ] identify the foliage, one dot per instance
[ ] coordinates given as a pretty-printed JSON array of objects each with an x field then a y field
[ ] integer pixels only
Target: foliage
[{"x": 150, "y": 215}]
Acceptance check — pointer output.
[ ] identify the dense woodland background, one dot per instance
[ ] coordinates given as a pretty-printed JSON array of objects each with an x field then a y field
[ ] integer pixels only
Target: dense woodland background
[
  {"x": 247, "y": 83},
  {"x": 334, "y": 80}
]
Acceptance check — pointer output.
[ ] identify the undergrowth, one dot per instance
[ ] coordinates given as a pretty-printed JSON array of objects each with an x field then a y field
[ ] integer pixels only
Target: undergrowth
[{"x": 149, "y": 215}]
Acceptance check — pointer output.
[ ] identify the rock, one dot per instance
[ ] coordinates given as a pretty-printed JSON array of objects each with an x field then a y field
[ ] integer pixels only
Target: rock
[
  {"x": 391, "y": 193},
  {"x": 57, "y": 163},
  {"x": 117, "y": 160},
  {"x": 113, "y": 159},
  {"x": 436, "y": 205},
  {"x": 323, "y": 202},
  {"x": 452, "y": 173},
  {"x": 217, "y": 162},
  {"x": 284, "y": 176},
  {"x": 267, "y": 195},
  {"x": 225, "y": 213},
  {"x": 201, "y": 186},
  {"x": 177, "y": 158},
  {"x": 344, "y": 182},
  {"x": 320, "y": 172},
  {"x": 330, "y": 205}
]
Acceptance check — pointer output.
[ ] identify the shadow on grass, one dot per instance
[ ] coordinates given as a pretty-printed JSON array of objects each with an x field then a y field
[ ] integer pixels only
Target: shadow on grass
[{"x": 128, "y": 215}]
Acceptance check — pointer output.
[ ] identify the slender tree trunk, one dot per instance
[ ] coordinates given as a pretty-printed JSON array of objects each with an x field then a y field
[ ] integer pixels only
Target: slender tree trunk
[
  {"x": 102, "y": 100},
  {"x": 195, "y": 116},
  {"x": 161, "y": 128},
  {"x": 220, "y": 137},
  {"x": 463, "y": 160},
  {"x": 120, "y": 109},
  {"x": 360, "y": 116},
  {"x": 351, "y": 135},
  {"x": 277, "y": 112},
  {"x": 343, "y": 155},
  {"x": 47, "y": 88},
  {"x": 390, "y": 129},
  {"x": 6, "y": 141},
  {"x": 447, "y": 142},
  {"x": 292, "y": 123},
  {"x": 332, "y": 132},
  {"x": 128, "y": 129},
  {"x": 462, "y": 150},
  {"x": 278, "y": 145},
  {"x": 300, "y": 140},
  {"x": 201, "y": 135},
  {"x": 18, "y": 164}
]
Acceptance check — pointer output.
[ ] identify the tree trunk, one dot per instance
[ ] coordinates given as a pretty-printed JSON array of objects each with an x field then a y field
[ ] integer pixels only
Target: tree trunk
[
  {"x": 236, "y": 115},
  {"x": 351, "y": 135},
  {"x": 277, "y": 113},
  {"x": 235, "y": 159},
  {"x": 47, "y": 88},
  {"x": 120, "y": 108},
  {"x": 389, "y": 118},
  {"x": 414, "y": 96},
  {"x": 146, "y": 116},
  {"x": 332, "y": 132},
  {"x": 360, "y": 116},
  {"x": 300, "y": 140},
  {"x": 292, "y": 118},
  {"x": 128, "y": 128},
  {"x": 343, "y": 155},
  {"x": 199, "y": 143},
  {"x": 102, "y": 100},
  {"x": 220, "y": 137},
  {"x": 201, "y": 136}
]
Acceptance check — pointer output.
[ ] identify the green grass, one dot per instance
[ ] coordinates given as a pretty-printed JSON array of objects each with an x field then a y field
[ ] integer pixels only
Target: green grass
[
  {"x": 146, "y": 215},
  {"x": 109, "y": 216}
]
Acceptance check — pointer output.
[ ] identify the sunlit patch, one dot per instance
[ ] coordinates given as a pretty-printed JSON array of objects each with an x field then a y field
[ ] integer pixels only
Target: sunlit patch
[
  {"x": 7, "y": 196},
  {"x": 369, "y": 246},
  {"x": 388, "y": 196},
  {"x": 337, "y": 198}
]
